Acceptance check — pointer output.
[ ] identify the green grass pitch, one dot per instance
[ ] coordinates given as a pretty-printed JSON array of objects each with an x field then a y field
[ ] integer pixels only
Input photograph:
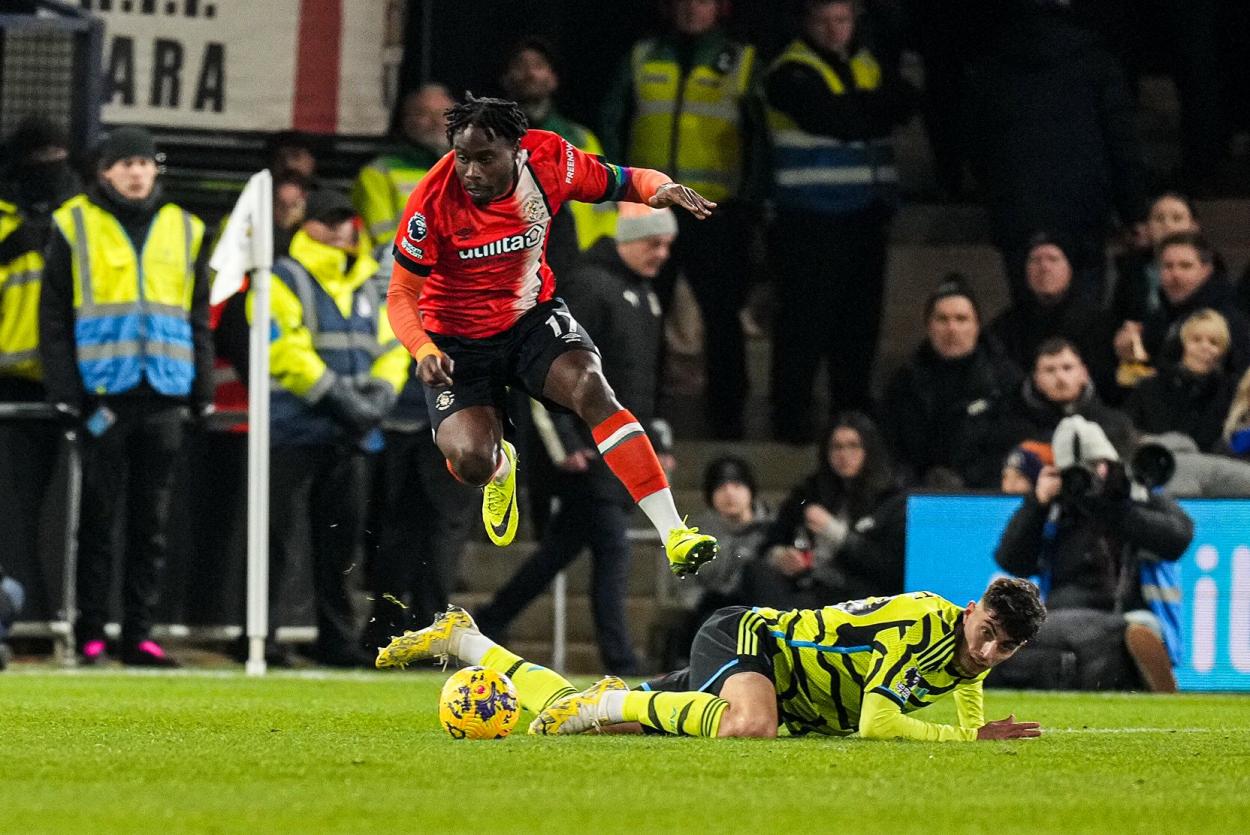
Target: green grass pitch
[{"x": 106, "y": 752}]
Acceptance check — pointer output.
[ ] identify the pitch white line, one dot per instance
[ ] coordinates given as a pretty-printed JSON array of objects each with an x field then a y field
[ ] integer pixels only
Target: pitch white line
[{"x": 1138, "y": 730}]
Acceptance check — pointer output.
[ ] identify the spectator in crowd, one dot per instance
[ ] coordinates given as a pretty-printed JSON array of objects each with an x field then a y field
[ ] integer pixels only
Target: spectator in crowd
[
  {"x": 1060, "y": 386},
  {"x": 1137, "y": 290},
  {"x": 1237, "y": 425},
  {"x": 1096, "y": 541},
  {"x": 1051, "y": 309},
  {"x": 830, "y": 108},
  {"x": 739, "y": 521},
  {"x": 1193, "y": 396},
  {"x": 943, "y": 410},
  {"x": 1023, "y": 465},
  {"x": 123, "y": 262},
  {"x": 423, "y": 520},
  {"x": 681, "y": 105},
  {"x": 12, "y": 598},
  {"x": 36, "y": 179},
  {"x": 290, "y": 195},
  {"x": 839, "y": 534},
  {"x": 610, "y": 295},
  {"x": 291, "y": 152},
  {"x": 337, "y": 370},
  {"x": 382, "y": 187},
  {"x": 530, "y": 78},
  {"x": 1054, "y": 145},
  {"x": 1188, "y": 281}
]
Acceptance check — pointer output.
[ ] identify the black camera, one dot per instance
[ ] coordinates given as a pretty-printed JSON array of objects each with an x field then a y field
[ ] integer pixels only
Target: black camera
[{"x": 1153, "y": 465}]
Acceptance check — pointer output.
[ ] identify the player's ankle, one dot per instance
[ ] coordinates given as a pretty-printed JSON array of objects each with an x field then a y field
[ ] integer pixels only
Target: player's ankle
[{"x": 611, "y": 707}]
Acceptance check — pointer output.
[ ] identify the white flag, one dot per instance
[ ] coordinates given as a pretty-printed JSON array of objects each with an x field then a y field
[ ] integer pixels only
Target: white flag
[{"x": 247, "y": 243}]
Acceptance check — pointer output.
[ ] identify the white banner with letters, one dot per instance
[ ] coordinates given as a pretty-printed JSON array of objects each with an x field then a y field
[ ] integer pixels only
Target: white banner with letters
[{"x": 321, "y": 66}]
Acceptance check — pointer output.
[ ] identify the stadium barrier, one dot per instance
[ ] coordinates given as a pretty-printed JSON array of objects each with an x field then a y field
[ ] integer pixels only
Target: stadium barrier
[{"x": 950, "y": 551}]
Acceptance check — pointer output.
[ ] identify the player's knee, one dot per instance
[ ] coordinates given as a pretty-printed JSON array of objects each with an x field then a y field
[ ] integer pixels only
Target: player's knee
[
  {"x": 742, "y": 722},
  {"x": 591, "y": 392},
  {"x": 471, "y": 465}
]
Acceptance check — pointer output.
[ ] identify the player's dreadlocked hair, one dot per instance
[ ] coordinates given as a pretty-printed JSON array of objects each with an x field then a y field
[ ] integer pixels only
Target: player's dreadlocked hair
[
  {"x": 498, "y": 117},
  {"x": 1017, "y": 605}
]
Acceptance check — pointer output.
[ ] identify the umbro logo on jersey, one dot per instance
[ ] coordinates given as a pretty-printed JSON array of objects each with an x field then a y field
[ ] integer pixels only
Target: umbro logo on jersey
[{"x": 513, "y": 243}]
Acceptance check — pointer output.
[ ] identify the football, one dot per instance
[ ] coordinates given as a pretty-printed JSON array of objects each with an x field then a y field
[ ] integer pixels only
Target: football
[{"x": 477, "y": 703}]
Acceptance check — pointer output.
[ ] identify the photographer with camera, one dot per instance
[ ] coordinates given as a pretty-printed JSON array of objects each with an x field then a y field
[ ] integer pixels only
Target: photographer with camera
[{"x": 1100, "y": 543}]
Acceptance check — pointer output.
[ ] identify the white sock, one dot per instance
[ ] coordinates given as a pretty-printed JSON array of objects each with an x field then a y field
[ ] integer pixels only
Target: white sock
[
  {"x": 662, "y": 512},
  {"x": 611, "y": 707},
  {"x": 469, "y": 647}
]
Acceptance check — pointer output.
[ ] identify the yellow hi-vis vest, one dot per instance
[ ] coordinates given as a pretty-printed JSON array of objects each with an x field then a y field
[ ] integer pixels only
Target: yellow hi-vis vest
[
  {"x": 819, "y": 173},
  {"x": 690, "y": 127},
  {"x": 21, "y": 276},
  {"x": 132, "y": 309}
]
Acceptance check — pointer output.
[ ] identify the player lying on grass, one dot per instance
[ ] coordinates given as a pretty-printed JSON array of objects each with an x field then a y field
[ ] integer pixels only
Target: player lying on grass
[
  {"x": 857, "y": 666},
  {"x": 473, "y": 300}
]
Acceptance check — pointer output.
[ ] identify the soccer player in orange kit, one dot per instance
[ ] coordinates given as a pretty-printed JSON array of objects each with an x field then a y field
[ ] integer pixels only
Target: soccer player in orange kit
[{"x": 473, "y": 300}]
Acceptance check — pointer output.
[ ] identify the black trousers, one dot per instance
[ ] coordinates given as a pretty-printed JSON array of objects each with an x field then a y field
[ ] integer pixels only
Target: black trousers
[
  {"x": 318, "y": 491},
  {"x": 28, "y": 462},
  {"x": 831, "y": 281},
  {"x": 423, "y": 521},
  {"x": 713, "y": 256},
  {"x": 127, "y": 474},
  {"x": 582, "y": 520}
]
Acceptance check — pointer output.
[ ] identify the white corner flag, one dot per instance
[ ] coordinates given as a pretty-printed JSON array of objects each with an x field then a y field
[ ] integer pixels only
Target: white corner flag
[
  {"x": 246, "y": 246},
  {"x": 247, "y": 242}
]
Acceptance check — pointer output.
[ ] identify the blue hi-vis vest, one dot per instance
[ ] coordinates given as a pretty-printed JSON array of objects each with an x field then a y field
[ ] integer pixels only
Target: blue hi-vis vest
[
  {"x": 347, "y": 344},
  {"x": 132, "y": 309},
  {"x": 822, "y": 174}
]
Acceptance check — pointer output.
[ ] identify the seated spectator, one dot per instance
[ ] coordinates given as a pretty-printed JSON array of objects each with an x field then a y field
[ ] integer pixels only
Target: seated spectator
[
  {"x": 1058, "y": 387},
  {"x": 1193, "y": 396},
  {"x": 1137, "y": 270},
  {"x": 943, "y": 409},
  {"x": 291, "y": 152},
  {"x": 1189, "y": 283},
  {"x": 1052, "y": 309},
  {"x": 839, "y": 534},
  {"x": 1096, "y": 541},
  {"x": 739, "y": 521},
  {"x": 1022, "y": 467},
  {"x": 1236, "y": 439}
]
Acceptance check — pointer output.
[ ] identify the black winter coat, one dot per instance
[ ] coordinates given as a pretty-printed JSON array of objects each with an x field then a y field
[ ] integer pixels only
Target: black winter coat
[
  {"x": 948, "y": 413},
  {"x": 1097, "y": 546},
  {"x": 1161, "y": 332},
  {"x": 1033, "y": 418},
  {"x": 1022, "y": 328},
  {"x": 1177, "y": 400}
]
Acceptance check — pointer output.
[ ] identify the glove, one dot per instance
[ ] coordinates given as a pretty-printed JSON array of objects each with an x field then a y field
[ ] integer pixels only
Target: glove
[
  {"x": 380, "y": 394},
  {"x": 351, "y": 408}
]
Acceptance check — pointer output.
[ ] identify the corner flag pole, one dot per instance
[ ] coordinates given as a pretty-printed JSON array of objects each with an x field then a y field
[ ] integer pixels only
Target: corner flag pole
[{"x": 247, "y": 246}]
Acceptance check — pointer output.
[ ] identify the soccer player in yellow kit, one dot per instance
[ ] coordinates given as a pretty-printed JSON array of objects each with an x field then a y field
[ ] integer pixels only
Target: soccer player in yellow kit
[{"x": 860, "y": 666}]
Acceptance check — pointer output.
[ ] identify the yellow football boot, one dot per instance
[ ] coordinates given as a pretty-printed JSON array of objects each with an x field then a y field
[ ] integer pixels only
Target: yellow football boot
[
  {"x": 687, "y": 549},
  {"x": 499, "y": 512},
  {"x": 577, "y": 713},
  {"x": 436, "y": 641}
]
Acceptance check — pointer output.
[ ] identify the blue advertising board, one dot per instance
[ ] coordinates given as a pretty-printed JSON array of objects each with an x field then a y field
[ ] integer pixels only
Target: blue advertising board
[{"x": 950, "y": 551}]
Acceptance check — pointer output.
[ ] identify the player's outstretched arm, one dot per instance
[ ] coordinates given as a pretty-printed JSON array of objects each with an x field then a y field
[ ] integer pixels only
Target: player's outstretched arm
[
  {"x": 1009, "y": 728},
  {"x": 675, "y": 194}
]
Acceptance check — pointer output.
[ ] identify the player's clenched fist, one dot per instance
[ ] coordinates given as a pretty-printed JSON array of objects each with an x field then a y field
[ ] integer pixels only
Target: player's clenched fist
[
  {"x": 435, "y": 370},
  {"x": 1009, "y": 728}
]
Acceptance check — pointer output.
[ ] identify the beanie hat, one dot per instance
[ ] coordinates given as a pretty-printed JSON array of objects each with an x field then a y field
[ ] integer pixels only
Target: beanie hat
[
  {"x": 328, "y": 205},
  {"x": 1048, "y": 238},
  {"x": 637, "y": 221},
  {"x": 727, "y": 470},
  {"x": 1080, "y": 441},
  {"x": 126, "y": 142},
  {"x": 953, "y": 284},
  {"x": 1029, "y": 458}
]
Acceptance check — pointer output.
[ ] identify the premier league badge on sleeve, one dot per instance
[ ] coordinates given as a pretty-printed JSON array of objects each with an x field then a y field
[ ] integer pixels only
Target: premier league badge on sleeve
[{"x": 417, "y": 229}]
